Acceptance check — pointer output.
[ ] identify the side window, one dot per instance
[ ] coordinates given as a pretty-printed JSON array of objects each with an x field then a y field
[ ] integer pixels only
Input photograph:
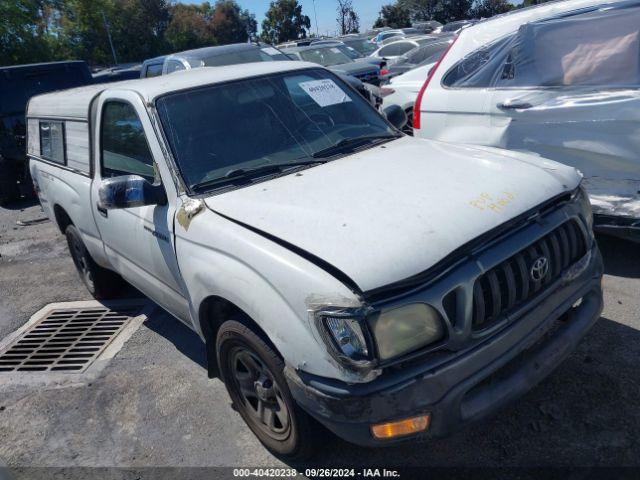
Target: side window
[
  {"x": 174, "y": 66},
  {"x": 419, "y": 55},
  {"x": 125, "y": 150},
  {"x": 396, "y": 49},
  {"x": 153, "y": 70},
  {"x": 52, "y": 145},
  {"x": 480, "y": 68}
]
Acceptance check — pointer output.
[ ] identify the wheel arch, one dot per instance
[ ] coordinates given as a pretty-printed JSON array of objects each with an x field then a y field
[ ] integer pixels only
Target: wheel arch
[
  {"x": 63, "y": 219},
  {"x": 214, "y": 310}
]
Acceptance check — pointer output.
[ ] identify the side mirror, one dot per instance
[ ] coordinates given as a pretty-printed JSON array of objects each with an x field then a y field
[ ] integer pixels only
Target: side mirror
[
  {"x": 396, "y": 116},
  {"x": 130, "y": 191}
]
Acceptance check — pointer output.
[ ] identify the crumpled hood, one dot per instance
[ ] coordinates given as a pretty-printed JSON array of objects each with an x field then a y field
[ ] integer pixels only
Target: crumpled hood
[{"x": 393, "y": 211}]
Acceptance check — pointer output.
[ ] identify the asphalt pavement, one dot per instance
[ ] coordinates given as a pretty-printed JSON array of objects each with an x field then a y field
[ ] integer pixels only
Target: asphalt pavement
[{"x": 153, "y": 405}]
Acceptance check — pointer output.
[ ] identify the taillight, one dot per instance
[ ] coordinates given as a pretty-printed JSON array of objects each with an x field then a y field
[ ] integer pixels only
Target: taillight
[
  {"x": 384, "y": 72},
  {"x": 418, "y": 104}
]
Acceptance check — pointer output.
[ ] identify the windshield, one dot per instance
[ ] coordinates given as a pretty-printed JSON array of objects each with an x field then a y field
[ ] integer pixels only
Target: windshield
[
  {"x": 362, "y": 45},
  {"x": 420, "y": 55},
  {"x": 325, "y": 56},
  {"x": 219, "y": 130},
  {"x": 266, "y": 54},
  {"x": 350, "y": 52}
]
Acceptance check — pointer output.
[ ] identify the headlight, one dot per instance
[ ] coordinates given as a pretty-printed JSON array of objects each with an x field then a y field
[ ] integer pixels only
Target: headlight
[
  {"x": 343, "y": 332},
  {"x": 585, "y": 206},
  {"x": 406, "y": 328}
]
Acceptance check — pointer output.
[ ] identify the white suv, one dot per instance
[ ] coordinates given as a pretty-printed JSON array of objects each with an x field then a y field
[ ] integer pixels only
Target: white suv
[{"x": 560, "y": 80}]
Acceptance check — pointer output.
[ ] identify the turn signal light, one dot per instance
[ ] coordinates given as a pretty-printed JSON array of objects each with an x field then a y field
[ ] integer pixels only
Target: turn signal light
[{"x": 408, "y": 426}]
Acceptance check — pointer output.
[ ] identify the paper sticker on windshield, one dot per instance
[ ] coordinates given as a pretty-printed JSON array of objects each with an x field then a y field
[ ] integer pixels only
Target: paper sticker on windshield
[
  {"x": 271, "y": 51},
  {"x": 325, "y": 92},
  {"x": 335, "y": 50}
]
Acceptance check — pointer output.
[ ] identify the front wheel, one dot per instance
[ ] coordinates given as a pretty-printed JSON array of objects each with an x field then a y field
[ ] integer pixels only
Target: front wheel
[
  {"x": 253, "y": 375},
  {"x": 101, "y": 283}
]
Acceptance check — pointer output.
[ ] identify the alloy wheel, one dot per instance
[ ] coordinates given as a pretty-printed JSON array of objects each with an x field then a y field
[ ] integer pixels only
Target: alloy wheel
[{"x": 259, "y": 394}]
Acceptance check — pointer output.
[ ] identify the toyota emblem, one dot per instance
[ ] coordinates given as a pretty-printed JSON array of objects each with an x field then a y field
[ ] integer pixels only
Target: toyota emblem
[{"x": 539, "y": 269}]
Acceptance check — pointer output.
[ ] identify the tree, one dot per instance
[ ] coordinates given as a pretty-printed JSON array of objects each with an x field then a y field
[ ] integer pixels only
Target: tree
[
  {"x": 138, "y": 28},
  {"x": 189, "y": 27},
  {"x": 394, "y": 16},
  {"x": 422, "y": 9},
  {"x": 489, "y": 8},
  {"x": 28, "y": 31},
  {"x": 83, "y": 34},
  {"x": 348, "y": 20},
  {"x": 230, "y": 24},
  {"x": 452, "y": 10},
  {"x": 284, "y": 21}
]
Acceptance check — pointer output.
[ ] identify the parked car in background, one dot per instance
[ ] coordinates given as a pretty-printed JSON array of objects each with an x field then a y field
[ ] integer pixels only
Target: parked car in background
[
  {"x": 17, "y": 85},
  {"x": 397, "y": 48},
  {"x": 427, "y": 53},
  {"x": 384, "y": 35},
  {"x": 456, "y": 27},
  {"x": 127, "y": 71},
  {"x": 237, "y": 54},
  {"x": 233, "y": 54},
  {"x": 428, "y": 26},
  {"x": 152, "y": 67},
  {"x": 359, "y": 43},
  {"x": 391, "y": 289},
  {"x": 332, "y": 57},
  {"x": 403, "y": 90},
  {"x": 303, "y": 42},
  {"x": 560, "y": 80}
]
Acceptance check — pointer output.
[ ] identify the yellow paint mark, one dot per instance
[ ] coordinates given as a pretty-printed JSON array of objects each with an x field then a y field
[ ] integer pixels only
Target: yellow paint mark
[{"x": 497, "y": 203}]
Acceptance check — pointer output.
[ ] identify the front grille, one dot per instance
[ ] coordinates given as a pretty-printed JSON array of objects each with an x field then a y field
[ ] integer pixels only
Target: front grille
[{"x": 511, "y": 283}]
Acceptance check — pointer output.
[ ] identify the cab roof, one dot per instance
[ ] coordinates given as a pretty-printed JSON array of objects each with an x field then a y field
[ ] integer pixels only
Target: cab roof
[{"x": 75, "y": 103}]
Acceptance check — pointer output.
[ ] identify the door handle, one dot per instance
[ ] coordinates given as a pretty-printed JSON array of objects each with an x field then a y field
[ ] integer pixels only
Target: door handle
[
  {"x": 102, "y": 211},
  {"x": 514, "y": 106}
]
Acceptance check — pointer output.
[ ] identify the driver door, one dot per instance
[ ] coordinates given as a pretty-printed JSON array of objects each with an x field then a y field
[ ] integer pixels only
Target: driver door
[{"x": 138, "y": 241}]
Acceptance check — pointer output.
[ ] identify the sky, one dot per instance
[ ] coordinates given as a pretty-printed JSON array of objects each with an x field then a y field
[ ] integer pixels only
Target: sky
[{"x": 326, "y": 10}]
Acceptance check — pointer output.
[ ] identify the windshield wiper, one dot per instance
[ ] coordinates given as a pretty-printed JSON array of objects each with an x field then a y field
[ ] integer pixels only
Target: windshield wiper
[
  {"x": 247, "y": 174},
  {"x": 347, "y": 143}
]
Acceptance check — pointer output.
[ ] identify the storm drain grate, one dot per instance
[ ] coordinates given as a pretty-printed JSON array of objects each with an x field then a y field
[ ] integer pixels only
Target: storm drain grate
[{"x": 66, "y": 339}]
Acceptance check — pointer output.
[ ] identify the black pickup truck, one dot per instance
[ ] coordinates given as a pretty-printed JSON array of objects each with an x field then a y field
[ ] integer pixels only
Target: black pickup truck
[{"x": 17, "y": 85}]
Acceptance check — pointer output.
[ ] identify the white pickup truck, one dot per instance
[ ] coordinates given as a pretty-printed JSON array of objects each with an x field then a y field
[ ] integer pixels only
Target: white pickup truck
[{"x": 340, "y": 273}]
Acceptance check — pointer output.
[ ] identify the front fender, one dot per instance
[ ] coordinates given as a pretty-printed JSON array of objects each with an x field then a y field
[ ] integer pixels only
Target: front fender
[{"x": 271, "y": 284}]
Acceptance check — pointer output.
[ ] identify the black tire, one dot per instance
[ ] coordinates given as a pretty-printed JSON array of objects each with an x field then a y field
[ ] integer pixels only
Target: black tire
[
  {"x": 103, "y": 284},
  {"x": 293, "y": 441}
]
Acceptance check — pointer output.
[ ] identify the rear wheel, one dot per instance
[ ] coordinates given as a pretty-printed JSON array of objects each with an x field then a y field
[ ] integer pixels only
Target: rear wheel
[
  {"x": 253, "y": 375},
  {"x": 101, "y": 283}
]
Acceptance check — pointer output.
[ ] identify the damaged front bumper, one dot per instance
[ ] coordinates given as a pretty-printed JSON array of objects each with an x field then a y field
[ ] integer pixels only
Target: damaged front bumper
[{"x": 470, "y": 386}]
